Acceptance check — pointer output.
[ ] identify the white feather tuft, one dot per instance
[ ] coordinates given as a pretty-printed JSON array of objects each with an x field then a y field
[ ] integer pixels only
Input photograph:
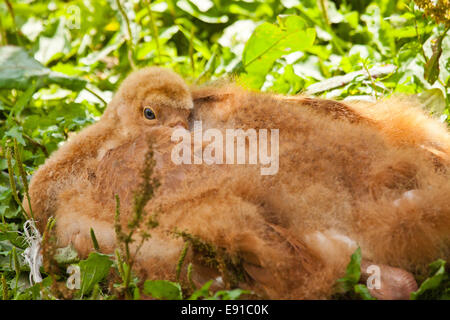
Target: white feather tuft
[{"x": 32, "y": 254}]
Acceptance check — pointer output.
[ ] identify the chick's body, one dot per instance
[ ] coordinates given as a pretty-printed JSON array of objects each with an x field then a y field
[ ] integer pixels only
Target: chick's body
[{"x": 348, "y": 176}]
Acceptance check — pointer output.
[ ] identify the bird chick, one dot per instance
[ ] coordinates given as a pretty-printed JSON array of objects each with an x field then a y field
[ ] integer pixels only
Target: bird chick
[
  {"x": 150, "y": 102},
  {"x": 345, "y": 179}
]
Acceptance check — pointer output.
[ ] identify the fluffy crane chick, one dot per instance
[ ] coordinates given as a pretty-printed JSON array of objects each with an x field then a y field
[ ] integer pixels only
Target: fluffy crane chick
[
  {"x": 369, "y": 176},
  {"x": 143, "y": 109}
]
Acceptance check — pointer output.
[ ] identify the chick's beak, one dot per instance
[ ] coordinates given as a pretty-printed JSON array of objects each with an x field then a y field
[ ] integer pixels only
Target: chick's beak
[{"x": 178, "y": 124}]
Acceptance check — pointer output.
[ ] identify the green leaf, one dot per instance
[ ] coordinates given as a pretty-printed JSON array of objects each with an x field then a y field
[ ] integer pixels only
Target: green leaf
[
  {"x": 437, "y": 269},
  {"x": 24, "y": 99},
  {"x": 32, "y": 28},
  {"x": 93, "y": 270},
  {"x": 163, "y": 289},
  {"x": 13, "y": 237},
  {"x": 269, "y": 42},
  {"x": 431, "y": 73},
  {"x": 198, "y": 45},
  {"x": 112, "y": 45},
  {"x": 16, "y": 133},
  {"x": 229, "y": 294},
  {"x": 18, "y": 70},
  {"x": 363, "y": 292},
  {"x": 289, "y": 82},
  {"x": 66, "y": 255},
  {"x": 433, "y": 100},
  {"x": 55, "y": 46},
  {"x": 94, "y": 240},
  {"x": 432, "y": 67},
  {"x": 202, "y": 292},
  {"x": 190, "y": 8},
  {"x": 352, "y": 274}
]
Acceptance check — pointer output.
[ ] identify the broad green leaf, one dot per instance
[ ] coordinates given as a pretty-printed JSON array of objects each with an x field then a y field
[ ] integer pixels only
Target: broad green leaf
[
  {"x": 55, "y": 46},
  {"x": 18, "y": 70},
  {"x": 352, "y": 274},
  {"x": 433, "y": 100},
  {"x": 269, "y": 42},
  {"x": 163, "y": 289},
  {"x": 13, "y": 237},
  {"x": 93, "y": 270},
  {"x": 288, "y": 82},
  {"x": 438, "y": 275},
  {"x": 32, "y": 28}
]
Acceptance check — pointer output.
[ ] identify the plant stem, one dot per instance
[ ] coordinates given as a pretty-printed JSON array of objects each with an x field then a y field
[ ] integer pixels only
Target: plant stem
[
  {"x": 191, "y": 50},
  {"x": 4, "y": 288},
  {"x": 48, "y": 228},
  {"x": 37, "y": 144},
  {"x": 13, "y": 16},
  {"x": 374, "y": 87},
  {"x": 3, "y": 40},
  {"x": 181, "y": 260},
  {"x": 418, "y": 35},
  {"x": 154, "y": 30},
  {"x": 323, "y": 8},
  {"x": 96, "y": 95},
  {"x": 13, "y": 183},
  {"x": 23, "y": 175},
  {"x": 189, "y": 277},
  {"x": 130, "y": 35}
]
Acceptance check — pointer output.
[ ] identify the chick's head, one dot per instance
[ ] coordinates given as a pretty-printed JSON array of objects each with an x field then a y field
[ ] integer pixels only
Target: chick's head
[{"x": 149, "y": 99}]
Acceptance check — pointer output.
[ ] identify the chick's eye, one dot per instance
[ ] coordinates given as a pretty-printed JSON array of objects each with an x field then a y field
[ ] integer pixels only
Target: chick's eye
[{"x": 149, "y": 114}]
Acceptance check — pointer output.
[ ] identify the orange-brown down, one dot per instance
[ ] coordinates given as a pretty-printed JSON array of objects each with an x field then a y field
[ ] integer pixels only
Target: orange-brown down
[{"x": 369, "y": 175}]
